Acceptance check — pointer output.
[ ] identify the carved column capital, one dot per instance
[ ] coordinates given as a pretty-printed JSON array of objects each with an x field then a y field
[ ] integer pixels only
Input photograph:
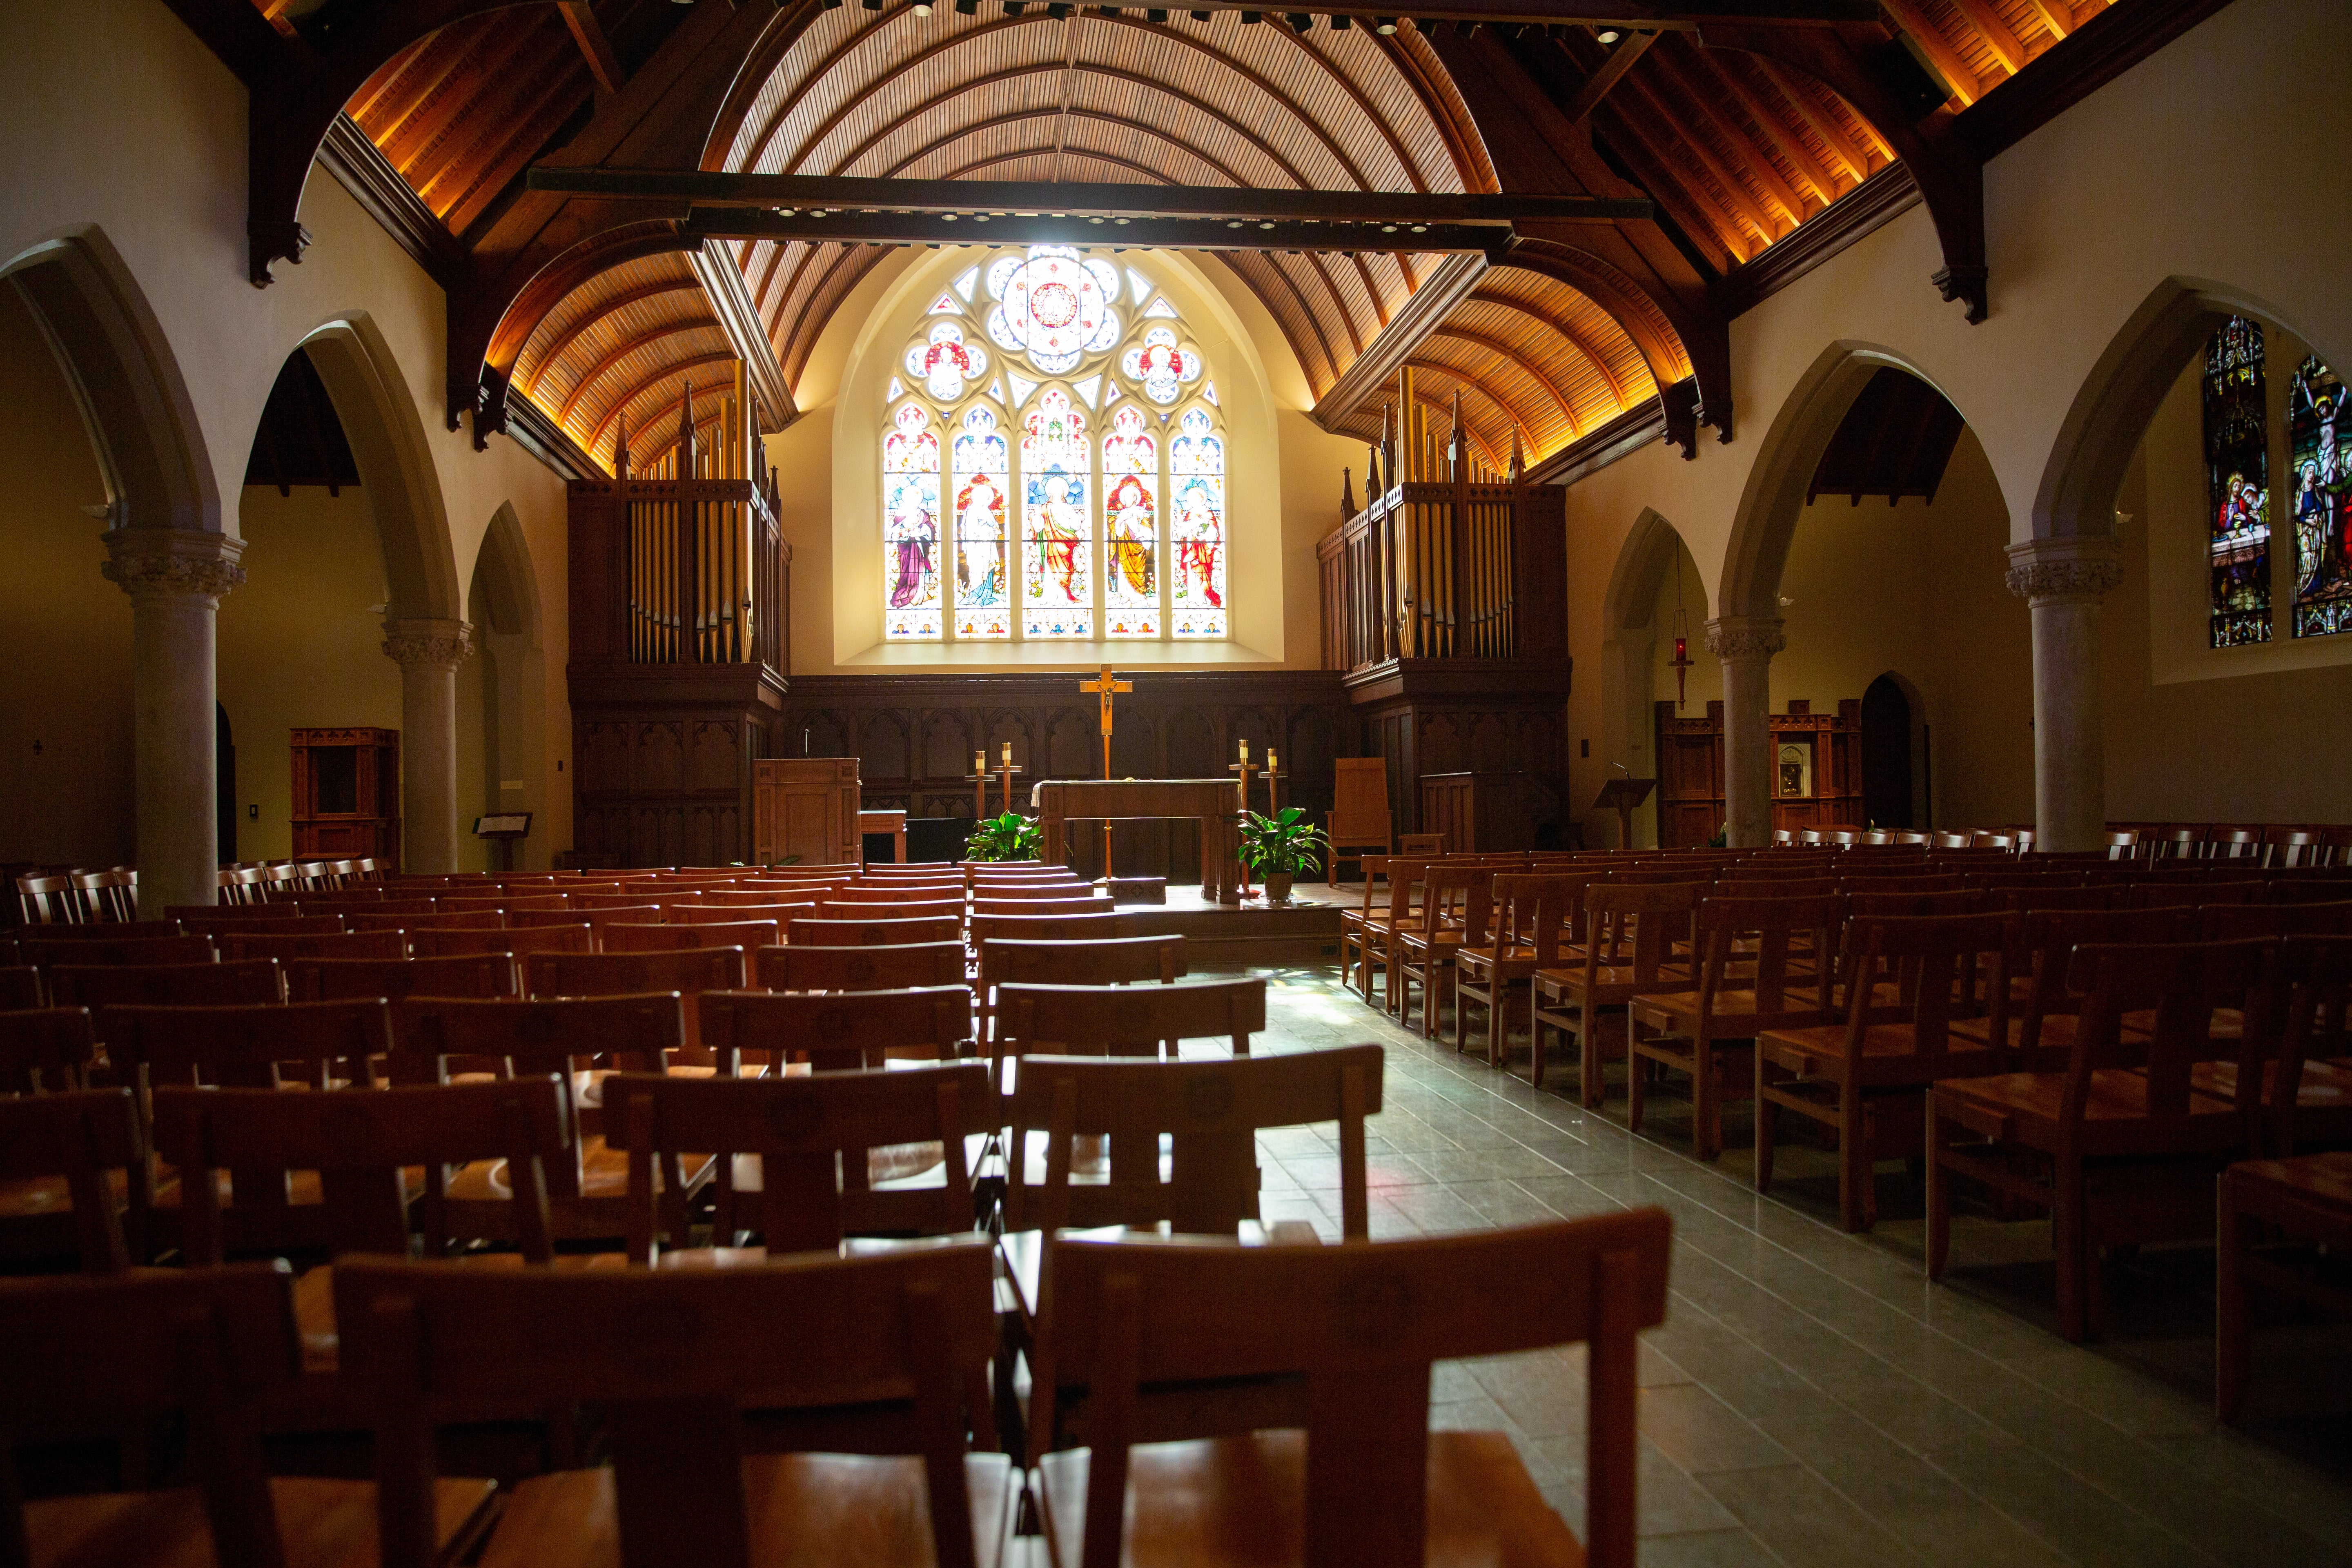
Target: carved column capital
[
  {"x": 428, "y": 643},
  {"x": 1746, "y": 636},
  {"x": 153, "y": 565},
  {"x": 2072, "y": 571}
]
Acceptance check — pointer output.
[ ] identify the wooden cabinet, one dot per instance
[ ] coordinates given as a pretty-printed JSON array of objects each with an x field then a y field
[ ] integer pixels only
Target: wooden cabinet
[
  {"x": 1479, "y": 813},
  {"x": 1816, "y": 770},
  {"x": 346, "y": 795},
  {"x": 805, "y": 809}
]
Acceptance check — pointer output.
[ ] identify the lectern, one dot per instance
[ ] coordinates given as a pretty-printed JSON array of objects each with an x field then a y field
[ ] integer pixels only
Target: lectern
[{"x": 1621, "y": 795}]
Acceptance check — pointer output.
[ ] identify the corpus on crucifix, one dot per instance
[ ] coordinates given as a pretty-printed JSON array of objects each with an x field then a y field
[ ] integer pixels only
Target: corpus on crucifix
[{"x": 1107, "y": 685}]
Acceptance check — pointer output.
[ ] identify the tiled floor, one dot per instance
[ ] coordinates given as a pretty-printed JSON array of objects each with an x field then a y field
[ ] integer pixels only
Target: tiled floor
[{"x": 1812, "y": 1399}]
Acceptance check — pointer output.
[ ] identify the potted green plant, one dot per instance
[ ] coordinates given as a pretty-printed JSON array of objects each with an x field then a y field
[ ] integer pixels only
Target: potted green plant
[
  {"x": 1276, "y": 848},
  {"x": 1011, "y": 837}
]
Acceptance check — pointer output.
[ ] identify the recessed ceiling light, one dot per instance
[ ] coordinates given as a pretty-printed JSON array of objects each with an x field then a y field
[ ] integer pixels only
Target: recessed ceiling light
[
  {"x": 1265, "y": 225},
  {"x": 1388, "y": 229},
  {"x": 1384, "y": 25},
  {"x": 1421, "y": 228},
  {"x": 922, "y": 10},
  {"x": 1608, "y": 35}
]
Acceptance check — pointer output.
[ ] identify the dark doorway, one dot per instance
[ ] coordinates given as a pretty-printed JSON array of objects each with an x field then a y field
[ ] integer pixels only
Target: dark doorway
[
  {"x": 224, "y": 788},
  {"x": 1887, "y": 755}
]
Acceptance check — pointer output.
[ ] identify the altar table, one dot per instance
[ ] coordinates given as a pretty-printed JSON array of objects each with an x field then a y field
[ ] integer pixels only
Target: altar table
[{"x": 1214, "y": 802}]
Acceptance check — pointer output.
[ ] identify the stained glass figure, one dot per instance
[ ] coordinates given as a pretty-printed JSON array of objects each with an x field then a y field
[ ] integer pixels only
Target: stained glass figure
[
  {"x": 1159, "y": 366},
  {"x": 1057, "y": 521},
  {"x": 2237, "y": 473},
  {"x": 1055, "y": 305},
  {"x": 1196, "y": 529},
  {"x": 911, "y": 527},
  {"x": 2318, "y": 429},
  {"x": 982, "y": 475},
  {"x": 1130, "y": 527},
  {"x": 943, "y": 361}
]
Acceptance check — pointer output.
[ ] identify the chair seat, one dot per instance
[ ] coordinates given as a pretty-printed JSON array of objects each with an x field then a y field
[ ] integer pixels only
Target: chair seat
[
  {"x": 2325, "y": 1086},
  {"x": 2022, "y": 1102},
  {"x": 1477, "y": 965},
  {"x": 1889, "y": 1053},
  {"x": 322, "y": 1523},
  {"x": 1732, "y": 1016},
  {"x": 2323, "y": 1178},
  {"x": 1240, "y": 1502},
  {"x": 802, "y": 1511},
  {"x": 1613, "y": 985},
  {"x": 314, "y": 1300}
]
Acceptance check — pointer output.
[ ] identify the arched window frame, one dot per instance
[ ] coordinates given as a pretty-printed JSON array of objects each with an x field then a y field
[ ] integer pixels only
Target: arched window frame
[{"x": 1154, "y": 366}]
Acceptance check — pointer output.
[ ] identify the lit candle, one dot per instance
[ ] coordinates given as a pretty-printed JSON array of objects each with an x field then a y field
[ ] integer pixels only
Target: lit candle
[
  {"x": 1272, "y": 763},
  {"x": 1246, "y": 749},
  {"x": 979, "y": 761},
  {"x": 1008, "y": 753}
]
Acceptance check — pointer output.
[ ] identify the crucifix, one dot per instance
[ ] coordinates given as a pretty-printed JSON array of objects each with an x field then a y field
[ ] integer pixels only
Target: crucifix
[
  {"x": 1244, "y": 768},
  {"x": 1107, "y": 686}
]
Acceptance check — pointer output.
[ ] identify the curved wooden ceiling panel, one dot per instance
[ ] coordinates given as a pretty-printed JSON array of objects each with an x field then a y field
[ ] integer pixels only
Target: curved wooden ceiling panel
[{"x": 631, "y": 336}]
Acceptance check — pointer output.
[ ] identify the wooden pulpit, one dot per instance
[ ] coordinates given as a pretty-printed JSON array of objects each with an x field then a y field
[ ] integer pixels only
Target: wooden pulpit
[
  {"x": 805, "y": 809},
  {"x": 1621, "y": 795},
  {"x": 1361, "y": 824}
]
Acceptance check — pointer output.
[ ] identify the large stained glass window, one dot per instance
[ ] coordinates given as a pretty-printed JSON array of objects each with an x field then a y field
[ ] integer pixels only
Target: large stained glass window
[
  {"x": 1079, "y": 429},
  {"x": 2318, "y": 425},
  {"x": 2237, "y": 485}
]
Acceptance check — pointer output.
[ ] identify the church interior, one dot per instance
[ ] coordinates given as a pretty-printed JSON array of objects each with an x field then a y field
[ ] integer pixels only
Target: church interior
[{"x": 1063, "y": 785}]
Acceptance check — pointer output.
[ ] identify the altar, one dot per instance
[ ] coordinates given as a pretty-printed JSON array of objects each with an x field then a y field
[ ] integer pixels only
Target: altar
[{"x": 1212, "y": 802}]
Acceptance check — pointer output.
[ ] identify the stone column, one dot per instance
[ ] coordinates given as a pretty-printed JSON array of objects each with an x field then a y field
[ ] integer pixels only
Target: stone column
[
  {"x": 2063, "y": 580},
  {"x": 1745, "y": 644},
  {"x": 428, "y": 653},
  {"x": 175, "y": 578}
]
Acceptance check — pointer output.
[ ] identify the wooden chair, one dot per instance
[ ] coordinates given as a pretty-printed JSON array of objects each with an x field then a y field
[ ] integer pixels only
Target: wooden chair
[
  {"x": 110, "y": 897},
  {"x": 1750, "y": 957},
  {"x": 360, "y": 1149},
  {"x": 42, "y": 952},
  {"x": 374, "y": 944},
  {"x": 896, "y": 1332},
  {"x": 985, "y": 928},
  {"x": 2041, "y": 1018},
  {"x": 245, "y": 983},
  {"x": 2234, "y": 843},
  {"x": 1102, "y": 961},
  {"x": 579, "y": 938},
  {"x": 110, "y": 930},
  {"x": 1358, "y": 825},
  {"x": 1631, "y": 931},
  {"x": 993, "y": 905},
  {"x": 836, "y": 1032},
  {"x": 2283, "y": 1225},
  {"x": 1210, "y": 1114},
  {"x": 1365, "y": 1483},
  {"x": 797, "y": 1155},
  {"x": 73, "y": 1171},
  {"x": 2119, "y": 1147},
  {"x": 588, "y": 1195},
  {"x": 2296, "y": 847},
  {"x": 284, "y": 919},
  {"x": 1455, "y": 905},
  {"x": 488, "y": 920},
  {"x": 598, "y": 917},
  {"x": 2307, "y": 1094},
  {"x": 208, "y": 1349},
  {"x": 1866, "y": 1076},
  {"x": 897, "y": 910},
  {"x": 859, "y": 968},
  {"x": 688, "y": 973},
  {"x": 396, "y": 980},
  {"x": 871, "y": 934},
  {"x": 1127, "y": 1020},
  {"x": 50, "y": 900},
  {"x": 1531, "y": 912},
  {"x": 782, "y": 915},
  {"x": 1420, "y": 845},
  {"x": 1388, "y": 907},
  {"x": 239, "y": 885},
  {"x": 899, "y": 892},
  {"x": 21, "y": 988}
]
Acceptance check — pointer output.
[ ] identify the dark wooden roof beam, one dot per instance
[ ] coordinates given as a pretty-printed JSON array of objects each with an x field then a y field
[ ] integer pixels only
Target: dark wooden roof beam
[
  {"x": 1142, "y": 234},
  {"x": 604, "y": 65}
]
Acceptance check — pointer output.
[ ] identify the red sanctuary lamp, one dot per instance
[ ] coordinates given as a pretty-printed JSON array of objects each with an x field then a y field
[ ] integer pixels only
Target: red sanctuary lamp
[{"x": 1682, "y": 664}]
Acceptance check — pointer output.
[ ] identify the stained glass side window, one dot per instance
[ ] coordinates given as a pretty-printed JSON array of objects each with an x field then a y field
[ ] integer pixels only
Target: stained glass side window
[
  {"x": 981, "y": 476},
  {"x": 1130, "y": 527},
  {"x": 1057, "y": 592},
  {"x": 2237, "y": 485},
  {"x": 2318, "y": 428},
  {"x": 1196, "y": 528},
  {"x": 911, "y": 527}
]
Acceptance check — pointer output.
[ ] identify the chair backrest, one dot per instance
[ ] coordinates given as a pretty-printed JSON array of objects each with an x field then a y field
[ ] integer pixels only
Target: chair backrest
[
  {"x": 835, "y": 1032},
  {"x": 250, "y": 980},
  {"x": 2194, "y": 892},
  {"x": 236, "y": 945},
  {"x": 396, "y": 980},
  {"x": 2225, "y": 922},
  {"x": 812, "y": 1135},
  {"x": 747, "y": 935},
  {"x": 46, "y": 1051},
  {"x": 1532, "y": 910},
  {"x": 112, "y": 930},
  {"x": 578, "y": 938},
  {"x": 920, "y": 908},
  {"x": 689, "y": 973},
  {"x": 1210, "y": 1110},
  {"x": 362, "y": 1145},
  {"x": 2055, "y": 895},
  {"x": 82, "y": 1355},
  {"x": 1860, "y": 880},
  {"x": 370, "y": 920},
  {"x": 43, "y": 951},
  {"x": 1362, "y": 1326},
  {"x": 990, "y": 904},
  {"x": 1768, "y": 928},
  {"x": 859, "y": 968},
  {"x": 899, "y": 892},
  {"x": 2297, "y": 848},
  {"x": 469, "y": 904},
  {"x": 1456, "y": 896},
  {"x": 1102, "y": 961},
  {"x": 2045, "y": 944},
  {"x": 78, "y": 1136},
  {"x": 1872, "y": 905},
  {"x": 2182, "y": 983},
  {"x": 2234, "y": 844},
  {"x": 2315, "y": 979},
  {"x": 1633, "y": 925},
  {"x": 871, "y": 934},
  {"x": 244, "y": 1047},
  {"x": 1127, "y": 1020},
  {"x": 595, "y": 916},
  {"x": 1733, "y": 887},
  {"x": 1942, "y": 967},
  {"x": 50, "y": 900},
  {"x": 2311, "y": 888},
  {"x": 781, "y": 914},
  {"x": 674, "y": 1357},
  {"x": 1420, "y": 845},
  {"x": 282, "y": 919},
  {"x": 1090, "y": 927},
  {"x": 20, "y": 983}
]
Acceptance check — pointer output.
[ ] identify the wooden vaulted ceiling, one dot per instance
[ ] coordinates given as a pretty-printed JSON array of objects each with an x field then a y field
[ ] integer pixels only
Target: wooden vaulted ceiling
[{"x": 1738, "y": 149}]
